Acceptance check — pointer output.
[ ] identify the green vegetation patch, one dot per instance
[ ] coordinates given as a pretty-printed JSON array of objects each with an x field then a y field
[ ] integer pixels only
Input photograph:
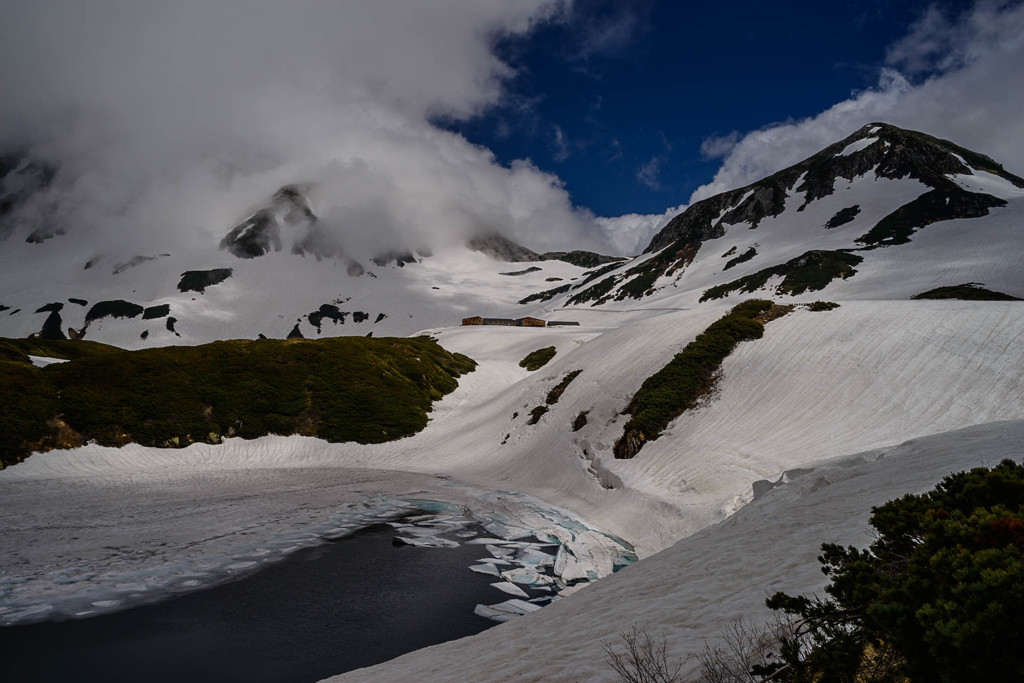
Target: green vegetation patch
[
  {"x": 667, "y": 262},
  {"x": 969, "y": 291},
  {"x": 339, "y": 389},
  {"x": 535, "y": 360},
  {"x": 811, "y": 271},
  {"x": 821, "y": 306},
  {"x": 690, "y": 375},
  {"x": 936, "y": 597},
  {"x": 557, "y": 391},
  {"x": 593, "y": 293},
  {"x": 547, "y": 294},
  {"x": 535, "y": 414}
]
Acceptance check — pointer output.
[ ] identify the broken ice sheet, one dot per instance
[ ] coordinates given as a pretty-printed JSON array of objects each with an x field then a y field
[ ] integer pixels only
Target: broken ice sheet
[
  {"x": 526, "y": 577},
  {"x": 511, "y": 589},
  {"x": 535, "y": 557},
  {"x": 485, "y": 569}
]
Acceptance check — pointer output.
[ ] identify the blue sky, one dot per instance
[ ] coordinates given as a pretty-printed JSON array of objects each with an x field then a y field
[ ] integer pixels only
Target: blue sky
[{"x": 618, "y": 100}]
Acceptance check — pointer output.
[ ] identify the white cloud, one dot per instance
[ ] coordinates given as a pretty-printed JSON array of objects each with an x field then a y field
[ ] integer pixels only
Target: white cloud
[
  {"x": 648, "y": 174},
  {"x": 171, "y": 120},
  {"x": 632, "y": 232},
  {"x": 559, "y": 144},
  {"x": 717, "y": 146}
]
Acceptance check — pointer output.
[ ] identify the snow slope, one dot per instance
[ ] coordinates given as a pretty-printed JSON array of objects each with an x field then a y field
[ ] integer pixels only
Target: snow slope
[
  {"x": 692, "y": 591},
  {"x": 268, "y": 295}
]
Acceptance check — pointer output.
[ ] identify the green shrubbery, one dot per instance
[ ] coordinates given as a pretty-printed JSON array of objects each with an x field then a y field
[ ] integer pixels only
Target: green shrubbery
[
  {"x": 821, "y": 306},
  {"x": 557, "y": 391},
  {"x": 937, "y": 596},
  {"x": 689, "y": 375},
  {"x": 535, "y": 360},
  {"x": 340, "y": 389},
  {"x": 811, "y": 271}
]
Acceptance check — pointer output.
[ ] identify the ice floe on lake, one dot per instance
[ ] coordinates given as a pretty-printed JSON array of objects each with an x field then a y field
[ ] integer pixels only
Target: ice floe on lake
[
  {"x": 525, "y": 551},
  {"x": 561, "y": 553}
]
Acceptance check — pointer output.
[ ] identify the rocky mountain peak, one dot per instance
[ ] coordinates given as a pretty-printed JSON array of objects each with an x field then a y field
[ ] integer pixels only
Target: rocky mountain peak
[{"x": 889, "y": 151}]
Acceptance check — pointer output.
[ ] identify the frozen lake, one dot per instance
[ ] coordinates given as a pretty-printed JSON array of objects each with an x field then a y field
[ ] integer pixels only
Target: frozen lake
[{"x": 324, "y": 610}]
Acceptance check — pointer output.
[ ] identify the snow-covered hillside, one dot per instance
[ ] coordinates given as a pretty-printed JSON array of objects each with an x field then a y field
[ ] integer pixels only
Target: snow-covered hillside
[{"x": 877, "y": 370}]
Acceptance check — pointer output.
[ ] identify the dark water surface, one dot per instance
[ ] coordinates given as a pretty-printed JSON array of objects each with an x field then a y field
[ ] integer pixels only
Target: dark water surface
[{"x": 325, "y": 610}]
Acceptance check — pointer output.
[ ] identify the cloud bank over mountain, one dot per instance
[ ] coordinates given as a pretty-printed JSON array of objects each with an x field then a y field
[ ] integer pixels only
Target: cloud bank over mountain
[
  {"x": 175, "y": 120},
  {"x": 954, "y": 75}
]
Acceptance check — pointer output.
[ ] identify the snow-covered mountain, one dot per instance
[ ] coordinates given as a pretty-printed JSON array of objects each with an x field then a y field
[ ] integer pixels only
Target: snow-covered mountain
[
  {"x": 917, "y": 240},
  {"x": 884, "y": 213},
  {"x": 277, "y": 273}
]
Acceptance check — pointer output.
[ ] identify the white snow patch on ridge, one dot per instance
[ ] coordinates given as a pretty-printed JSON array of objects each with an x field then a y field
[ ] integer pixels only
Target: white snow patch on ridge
[
  {"x": 856, "y": 146},
  {"x": 43, "y": 361}
]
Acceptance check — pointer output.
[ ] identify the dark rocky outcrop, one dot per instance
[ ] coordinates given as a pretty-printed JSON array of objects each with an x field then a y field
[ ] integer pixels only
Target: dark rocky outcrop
[
  {"x": 742, "y": 258},
  {"x": 969, "y": 291},
  {"x": 333, "y": 313},
  {"x": 52, "y": 326},
  {"x": 199, "y": 280},
  {"x": 326, "y": 312},
  {"x": 842, "y": 217},
  {"x": 158, "y": 311},
  {"x": 398, "y": 257},
  {"x": 254, "y": 237},
  {"x": 21, "y": 179},
  {"x": 501, "y": 248},
  {"x": 117, "y": 308},
  {"x": 135, "y": 261},
  {"x": 531, "y": 269},
  {"x": 942, "y": 204},
  {"x": 583, "y": 259},
  {"x": 546, "y": 295},
  {"x": 80, "y": 302},
  {"x": 44, "y": 232},
  {"x": 261, "y": 232}
]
